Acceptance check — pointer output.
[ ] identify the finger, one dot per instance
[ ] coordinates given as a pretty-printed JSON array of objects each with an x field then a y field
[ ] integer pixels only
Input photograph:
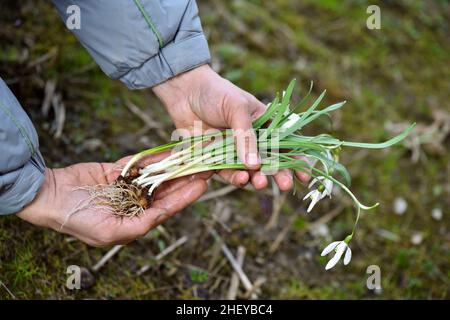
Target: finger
[
  {"x": 259, "y": 180},
  {"x": 303, "y": 176},
  {"x": 237, "y": 178},
  {"x": 284, "y": 179},
  {"x": 184, "y": 191},
  {"x": 256, "y": 108},
  {"x": 166, "y": 207},
  {"x": 173, "y": 185},
  {"x": 245, "y": 137}
]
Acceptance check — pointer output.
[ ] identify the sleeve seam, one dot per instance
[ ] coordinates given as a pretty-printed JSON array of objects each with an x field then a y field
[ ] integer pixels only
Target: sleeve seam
[
  {"x": 150, "y": 23},
  {"x": 19, "y": 126}
]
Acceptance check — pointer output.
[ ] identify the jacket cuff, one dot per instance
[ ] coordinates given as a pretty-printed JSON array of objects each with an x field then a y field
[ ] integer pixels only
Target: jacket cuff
[
  {"x": 170, "y": 61},
  {"x": 27, "y": 184}
]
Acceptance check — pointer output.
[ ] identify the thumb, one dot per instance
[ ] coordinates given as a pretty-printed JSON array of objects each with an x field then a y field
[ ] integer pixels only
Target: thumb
[{"x": 244, "y": 135}]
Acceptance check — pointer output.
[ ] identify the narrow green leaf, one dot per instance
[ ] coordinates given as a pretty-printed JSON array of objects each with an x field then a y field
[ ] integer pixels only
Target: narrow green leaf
[
  {"x": 281, "y": 110},
  {"x": 304, "y": 116}
]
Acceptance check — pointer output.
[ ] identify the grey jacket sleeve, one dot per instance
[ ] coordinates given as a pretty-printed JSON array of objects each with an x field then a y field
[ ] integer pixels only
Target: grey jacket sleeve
[
  {"x": 140, "y": 42},
  {"x": 21, "y": 164}
]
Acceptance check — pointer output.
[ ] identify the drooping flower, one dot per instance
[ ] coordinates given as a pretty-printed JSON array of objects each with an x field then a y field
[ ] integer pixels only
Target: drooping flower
[
  {"x": 339, "y": 247},
  {"x": 323, "y": 190},
  {"x": 291, "y": 120}
]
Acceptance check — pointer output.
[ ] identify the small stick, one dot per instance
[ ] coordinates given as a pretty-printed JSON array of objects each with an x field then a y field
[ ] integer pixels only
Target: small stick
[
  {"x": 111, "y": 253},
  {"x": 49, "y": 90},
  {"x": 252, "y": 293},
  {"x": 6, "y": 288},
  {"x": 164, "y": 253},
  {"x": 46, "y": 56},
  {"x": 283, "y": 233},
  {"x": 217, "y": 193},
  {"x": 278, "y": 200},
  {"x": 164, "y": 232},
  {"x": 60, "y": 115},
  {"x": 149, "y": 122},
  {"x": 172, "y": 247},
  {"x": 234, "y": 282},
  {"x": 322, "y": 220},
  {"x": 226, "y": 251}
]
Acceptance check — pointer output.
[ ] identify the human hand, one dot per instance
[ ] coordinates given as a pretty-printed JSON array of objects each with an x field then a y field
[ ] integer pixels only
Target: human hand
[
  {"x": 62, "y": 193},
  {"x": 202, "y": 95}
]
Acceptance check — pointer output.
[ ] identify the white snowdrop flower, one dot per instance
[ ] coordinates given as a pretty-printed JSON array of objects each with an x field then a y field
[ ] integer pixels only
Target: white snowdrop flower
[
  {"x": 292, "y": 119},
  {"x": 327, "y": 184},
  {"x": 339, "y": 247},
  {"x": 400, "y": 206},
  {"x": 323, "y": 190},
  {"x": 436, "y": 213},
  {"x": 416, "y": 238},
  {"x": 315, "y": 196}
]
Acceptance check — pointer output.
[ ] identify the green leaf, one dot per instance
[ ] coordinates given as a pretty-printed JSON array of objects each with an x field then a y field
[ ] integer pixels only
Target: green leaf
[
  {"x": 281, "y": 110},
  {"x": 325, "y": 111},
  {"x": 258, "y": 123},
  {"x": 304, "y": 116}
]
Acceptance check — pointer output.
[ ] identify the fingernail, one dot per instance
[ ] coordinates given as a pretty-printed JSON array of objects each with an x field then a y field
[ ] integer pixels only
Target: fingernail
[{"x": 252, "y": 159}]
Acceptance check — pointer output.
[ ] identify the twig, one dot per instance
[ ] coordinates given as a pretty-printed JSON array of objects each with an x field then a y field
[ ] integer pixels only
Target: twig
[
  {"x": 278, "y": 200},
  {"x": 234, "y": 263},
  {"x": 222, "y": 214},
  {"x": 6, "y": 288},
  {"x": 282, "y": 235},
  {"x": 322, "y": 220},
  {"x": 49, "y": 92},
  {"x": 164, "y": 233},
  {"x": 252, "y": 293},
  {"x": 47, "y": 56},
  {"x": 171, "y": 248},
  {"x": 111, "y": 253},
  {"x": 164, "y": 253},
  {"x": 60, "y": 115},
  {"x": 234, "y": 282},
  {"x": 217, "y": 193},
  {"x": 149, "y": 122}
]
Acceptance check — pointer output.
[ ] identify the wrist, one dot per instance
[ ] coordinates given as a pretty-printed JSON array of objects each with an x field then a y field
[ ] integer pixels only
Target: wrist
[
  {"x": 38, "y": 211},
  {"x": 180, "y": 88}
]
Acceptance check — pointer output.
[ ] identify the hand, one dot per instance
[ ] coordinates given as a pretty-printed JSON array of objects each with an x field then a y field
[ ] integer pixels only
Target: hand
[
  {"x": 60, "y": 195},
  {"x": 202, "y": 95}
]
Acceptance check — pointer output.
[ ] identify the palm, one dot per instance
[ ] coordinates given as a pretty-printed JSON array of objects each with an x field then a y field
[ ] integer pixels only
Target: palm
[{"x": 74, "y": 213}]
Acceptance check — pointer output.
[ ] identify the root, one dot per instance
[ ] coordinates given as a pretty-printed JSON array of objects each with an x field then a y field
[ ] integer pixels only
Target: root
[{"x": 124, "y": 199}]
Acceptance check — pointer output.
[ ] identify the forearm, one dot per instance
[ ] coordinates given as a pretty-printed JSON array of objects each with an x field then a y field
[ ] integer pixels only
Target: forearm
[{"x": 21, "y": 164}]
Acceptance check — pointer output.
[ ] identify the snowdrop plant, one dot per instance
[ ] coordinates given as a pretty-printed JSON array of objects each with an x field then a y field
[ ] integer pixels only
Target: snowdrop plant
[
  {"x": 339, "y": 247},
  {"x": 282, "y": 145}
]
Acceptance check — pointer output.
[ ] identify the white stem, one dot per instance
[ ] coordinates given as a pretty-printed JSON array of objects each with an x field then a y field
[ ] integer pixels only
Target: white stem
[
  {"x": 162, "y": 165},
  {"x": 140, "y": 155},
  {"x": 170, "y": 175}
]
